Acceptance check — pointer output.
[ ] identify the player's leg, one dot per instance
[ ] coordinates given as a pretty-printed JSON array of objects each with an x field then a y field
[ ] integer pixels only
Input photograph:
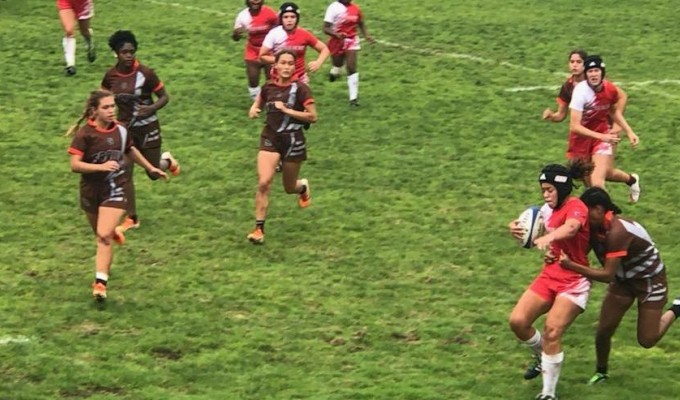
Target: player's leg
[
  {"x": 529, "y": 307},
  {"x": 352, "y": 76},
  {"x": 86, "y": 31},
  {"x": 602, "y": 164},
  {"x": 614, "y": 306},
  {"x": 107, "y": 220},
  {"x": 563, "y": 312},
  {"x": 253, "y": 74},
  {"x": 68, "y": 23},
  {"x": 337, "y": 61},
  {"x": 266, "y": 169},
  {"x": 293, "y": 185},
  {"x": 153, "y": 155}
]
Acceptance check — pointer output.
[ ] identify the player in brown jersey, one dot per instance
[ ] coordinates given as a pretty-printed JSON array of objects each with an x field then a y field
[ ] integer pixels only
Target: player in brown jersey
[
  {"x": 134, "y": 85},
  {"x": 70, "y": 13},
  {"x": 290, "y": 109},
  {"x": 97, "y": 152},
  {"x": 613, "y": 174},
  {"x": 634, "y": 270}
]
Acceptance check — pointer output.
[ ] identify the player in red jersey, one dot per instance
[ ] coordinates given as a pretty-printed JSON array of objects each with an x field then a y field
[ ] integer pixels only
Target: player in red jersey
[
  {"x": 256, "y": 20},
  {"x": 97, "y": 152},
  {"x": 70, "y": 13},
  {"x": 135, "y": 85},
  {"x": 289, "y": 36},
  {"x": 290, "y": 109},
  {"x": 634, "y": 270},
  {"x": 340, "y": 23},
  {"x": 577, "y": 69},
  {"x": 559, "y": 293},
  {"x": 594, "y": 105}
]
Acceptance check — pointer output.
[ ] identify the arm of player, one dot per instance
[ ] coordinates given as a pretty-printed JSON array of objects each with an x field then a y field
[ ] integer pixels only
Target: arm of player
[
  {"x": 556, "y": 116},
  {"x": 256, "y": 108},
  {"x": 601, "y": 275},
  {"x": 364, "y": 31},
  {"x": 323, "y": 55},
  {"x": 266, "y": 56},
  {"x": 621, "y": 105},
  {"x": 567, "y": 230},
  {"x": 309, "y": 115},
  {"x": 146, "y": 110},
  {"x": 328, "y": 30},
  {"x": 237, "y": 33},
  {"x": 138, "y": 158},
  {"x": 82, "y": 167},
  {"x": 618, "y": 119},
  {"x": 515, "y": 229},
  {"x": 576, "y": 126}
]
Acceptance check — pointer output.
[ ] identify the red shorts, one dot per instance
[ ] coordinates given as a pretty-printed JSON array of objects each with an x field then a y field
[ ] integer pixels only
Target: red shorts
[
  {"x": 251, "y": 53},
  {"x": 84, "y": 9},
  {"x": 585, "y": 147},
  {"x": 338, "y": 47},
  {"x": 549, "y": 288}
]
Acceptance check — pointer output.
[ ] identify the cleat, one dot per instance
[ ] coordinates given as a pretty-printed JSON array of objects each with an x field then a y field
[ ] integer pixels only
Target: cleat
[
  {"x": 70, "y": 70},
  {"x": 128, "y": 223},
  {"x": 118, "y": 236},
  {"x": 354, "y": 103},
  {"x": 598, "y": 378},
  {"x": 542, "y": 396},
  {"x": 99, "y": 291},
  {"x": 256, "y": 236},
  {"x": 635, "y": 189},
  {"x": 305, "y": 199},
  {"x": 173, "y": 165},
  {"x": 91, "y": 51},
  {"x": 534, "y": 368},
  {"x": 332, "y": 77}
]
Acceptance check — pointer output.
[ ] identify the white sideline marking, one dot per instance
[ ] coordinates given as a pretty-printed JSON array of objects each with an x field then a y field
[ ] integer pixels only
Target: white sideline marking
[
  {"x": 462, "y": 56},
  {"x": 14, "y": 339}
]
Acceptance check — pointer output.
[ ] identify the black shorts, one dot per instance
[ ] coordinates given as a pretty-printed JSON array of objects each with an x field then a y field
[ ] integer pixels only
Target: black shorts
[{"x": 291, "y": 145}]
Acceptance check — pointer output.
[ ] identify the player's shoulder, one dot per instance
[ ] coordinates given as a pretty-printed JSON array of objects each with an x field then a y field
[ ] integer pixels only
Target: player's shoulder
[{"x": 269, "y": 11}]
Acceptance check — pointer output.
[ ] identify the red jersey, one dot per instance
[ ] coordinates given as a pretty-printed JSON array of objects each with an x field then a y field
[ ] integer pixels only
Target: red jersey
[
  {"x": 344, "y": 18},
  {"x": 257, "y": 25},
  {"x": 595, "y": 106},
  {"x": 295, "y": 41},
  {"x": 577, "y": 247}
]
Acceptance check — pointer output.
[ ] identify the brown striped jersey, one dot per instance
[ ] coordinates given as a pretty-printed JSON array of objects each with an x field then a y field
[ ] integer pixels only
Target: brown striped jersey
[
  {"x": 627, "y": 239},
  {"x": 142, "y": 82}
]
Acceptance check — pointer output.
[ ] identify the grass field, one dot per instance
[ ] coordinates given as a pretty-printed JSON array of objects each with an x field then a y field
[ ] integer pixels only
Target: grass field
[{"x": 397, "y": 282}]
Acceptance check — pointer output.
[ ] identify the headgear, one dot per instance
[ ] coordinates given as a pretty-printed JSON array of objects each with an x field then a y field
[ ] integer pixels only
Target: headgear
[
  {"x": 594, "y": 61},
  {"x": 289, "y": 6},
  {"x": 560, "y": 177}
]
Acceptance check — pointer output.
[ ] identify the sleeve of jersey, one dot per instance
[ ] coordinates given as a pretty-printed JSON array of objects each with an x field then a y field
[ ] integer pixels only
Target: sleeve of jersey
[
  {"x": 238, "y": 23},
  {"x": 330, "y": 15},
  {"x": 77, "y": 147},
  {"x": 306, "y": 95},
  {"x": 268, "y": 41},
  {"x": 578, "y": 211},
  {"x": 576, "y": 100},
  {"x": 563, "y": 97},
  {"x": 311, "y": 39},
  {"x": 152, "y": 81},
  {"x": 105, "y": 82},
  {"x": 616, "y": 245}
]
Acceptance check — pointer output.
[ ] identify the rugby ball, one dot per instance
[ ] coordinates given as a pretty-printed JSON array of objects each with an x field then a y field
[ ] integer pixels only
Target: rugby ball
[{"x": 531, "y": 221}]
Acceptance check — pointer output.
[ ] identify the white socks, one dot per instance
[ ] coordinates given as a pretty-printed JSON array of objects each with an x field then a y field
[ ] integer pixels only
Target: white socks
[
  {"x": 353, "y": 83},
  {"x": 551, "y": 365},
  {"x": 254, "y": 91},
  {"x": 101, "y": 276},
  {"x": 69, "y": 45},
  {"x": 336, "y": 70},
  {"x": 535, "y": 343}
]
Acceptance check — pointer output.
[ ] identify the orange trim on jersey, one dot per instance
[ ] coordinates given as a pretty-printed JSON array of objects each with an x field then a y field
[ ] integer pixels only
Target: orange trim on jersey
[
  {"x": 93, "y": 124},
  {"x": 75, "y": 152},
  {"x": 158, "y": 87},
  {"x": 135, "y": 66},
  {"x": 607, "y": 223},
  {"x": 308, "y": 101},
  {"x": 617, "y": 254},
  {"x": 561, "y": 102}
]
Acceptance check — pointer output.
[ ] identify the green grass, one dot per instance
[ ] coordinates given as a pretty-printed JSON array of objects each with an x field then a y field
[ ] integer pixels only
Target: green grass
[{"x": 396, "y": 283}]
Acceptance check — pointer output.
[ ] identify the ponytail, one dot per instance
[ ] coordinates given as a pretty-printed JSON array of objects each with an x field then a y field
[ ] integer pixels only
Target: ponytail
[{"x": 90, "y": 106}]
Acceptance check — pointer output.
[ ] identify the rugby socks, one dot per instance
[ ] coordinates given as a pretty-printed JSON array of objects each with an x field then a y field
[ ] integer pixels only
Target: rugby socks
[
  {"x": 353, "y": 84},
  {"x": 336, "y": 71},
  {"x": 254, "y": 91},
  {"x": 551, "y": 366},
  {"x": 88, "y": 39},
  {"x": 675, "y": 308},
  {"x": 631, "y": 180},
  {"x": 102, "y": 278},
  {"x": 259, "y": 224},
  {"x": 69, "y": 45},
  {"x": 535, "y": 343}
]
